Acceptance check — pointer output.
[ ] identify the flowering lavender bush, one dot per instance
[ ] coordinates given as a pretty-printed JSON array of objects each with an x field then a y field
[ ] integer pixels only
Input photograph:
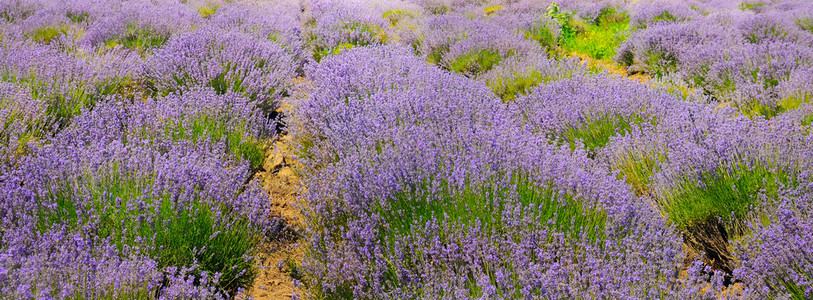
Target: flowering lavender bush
[
  {"x": 226, "y": 61},
  {"x": 140, "y": 26},
  {"x": 741, "y": 69},
  {"x": 471, "y": 47},
  {"x": 478, "y": 221}
]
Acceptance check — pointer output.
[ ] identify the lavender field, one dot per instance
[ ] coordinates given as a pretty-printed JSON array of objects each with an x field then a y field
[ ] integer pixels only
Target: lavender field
[{"x": 406, "y": 149}]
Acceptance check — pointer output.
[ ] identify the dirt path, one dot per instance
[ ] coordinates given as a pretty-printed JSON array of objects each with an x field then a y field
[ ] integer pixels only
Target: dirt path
[{"x": 282, "y": 183}]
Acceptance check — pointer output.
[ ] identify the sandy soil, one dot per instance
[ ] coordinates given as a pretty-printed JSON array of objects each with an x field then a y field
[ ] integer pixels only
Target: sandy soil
[{"x": 282, "y": 183}]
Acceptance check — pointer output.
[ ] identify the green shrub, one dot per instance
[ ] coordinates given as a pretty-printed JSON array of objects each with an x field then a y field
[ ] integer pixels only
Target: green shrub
[
  {"x": 752, "y": 6},
  {"x": 490, "y": 10},
  {"x": 509, "y": 88},
  {"x": 637, "y": 168},
  {"x": 77, "y": 17}
]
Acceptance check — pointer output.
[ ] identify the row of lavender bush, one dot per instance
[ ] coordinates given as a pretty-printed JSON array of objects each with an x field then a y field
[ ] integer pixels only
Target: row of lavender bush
[
  {"x": 452, "y": 150},
  {"x": 131, "y": 132}
]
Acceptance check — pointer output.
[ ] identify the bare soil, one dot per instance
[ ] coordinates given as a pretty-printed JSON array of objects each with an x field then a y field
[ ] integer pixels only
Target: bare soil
[{"x": 282, "y": 182}]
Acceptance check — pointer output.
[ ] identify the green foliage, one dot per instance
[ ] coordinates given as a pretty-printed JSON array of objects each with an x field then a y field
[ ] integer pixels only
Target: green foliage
[
  {"x": 378, "y": 37},
  {"x": 770, "y": 111},
  {"x": 599, "y": 39},
  {"x": 565, "y": 20},
  {"x": 201, "y": 127},
  {"x": 807, "y": 121},
  {"x": 77, "y": 17},
  {"x": 729, "y": 193},
  {"x": 436, "y": 54},
  {"x": 33, "y": 127},
  {"x": 637, "y": 168},
  {"x": 141, "y": 40},
  {"x": 660, "y": 63},
  {"x": 324, "y": 52},
  {"x": 490, "y": 10},
  {"x": 195, "y": 233},
  {"x": 396, "y": 15},
  {"x": 207, "y": 11},
  {"x": 596, "y": 132},
  {"x": 482, "y": 206},
  {"x": 539, "y": 32},
  {"x": 554, "y": 208},
  {"x": 665, "y": 16},
  {"x": 476, "y": 62},
  {"x": 609, "y": 16},
  {"x": 805, "y": 24},
  {"x": 45, "y": 34},
  {"x": 752, "y": 6},
  {"x": 509, "y": 88},
  {"x": 61, "y": 106}
]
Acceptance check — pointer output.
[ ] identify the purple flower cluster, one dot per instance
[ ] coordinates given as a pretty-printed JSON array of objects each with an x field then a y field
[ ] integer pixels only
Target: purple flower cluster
[
  {"x": 225, "y": 60},
  {"x": 735, "y": 57}
]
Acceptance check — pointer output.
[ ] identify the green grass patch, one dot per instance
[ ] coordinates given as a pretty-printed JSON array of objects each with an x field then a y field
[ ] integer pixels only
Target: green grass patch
[
  {"x": 476, "y": 62},
  {"x": 18, "y": 126},
  {"x": 211, "y": 236},
  {"x": 542, "y": 34},
  {"x": 596, "y": 132},
  {"x": 62, "y": 106},
  {"x": 240, "y": 144},
  {"x": 490, "y": 10},
  {"x": 664, "y": 17},
  {"x": 396, "y": 15},
  {"x": 77, "y": 17},
  {"x": 207, "y": 11},
  {"x": 785, "y": 104},
  {"x": 729, "y": 193},
  {"x": 564, "y": 211},
  {"x": 141, "y": 40},
  {"x": 637, "y": 168},
  {"x": 805, "y": 24},
  {"x": 509, "y": 88},
  {"x": 325, "y": 52},
  {"x": 752, "y": 6},
  {"x": 373, "y": 34},
  {"x": 46, "y": 34},
  {"x": 598, "y": 41},
  {"x": 807, "y": 121},
  {"x": 660, "y": 63}
]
